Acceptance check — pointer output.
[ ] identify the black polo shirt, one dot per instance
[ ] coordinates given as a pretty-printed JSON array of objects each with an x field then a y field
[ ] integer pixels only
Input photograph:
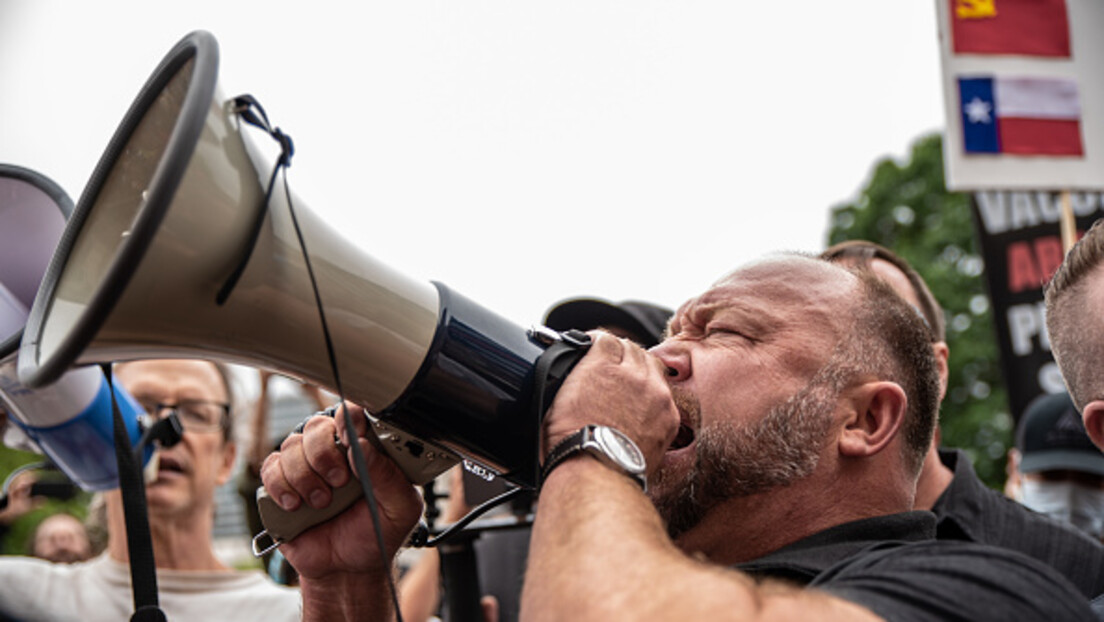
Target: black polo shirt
[
  {"x": 804, "y": 560},
  {"x": 971, "y": 511},
  {"x": 893, "y": 567}
]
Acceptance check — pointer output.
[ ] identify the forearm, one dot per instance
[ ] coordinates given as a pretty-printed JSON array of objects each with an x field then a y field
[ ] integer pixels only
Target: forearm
[
  {"x": 363, "y": 598},
  {"x": 599, "y": 551}
]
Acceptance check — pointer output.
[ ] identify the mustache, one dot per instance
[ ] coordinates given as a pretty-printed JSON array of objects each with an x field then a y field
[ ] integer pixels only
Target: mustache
[{"x": 688, "y": 406}]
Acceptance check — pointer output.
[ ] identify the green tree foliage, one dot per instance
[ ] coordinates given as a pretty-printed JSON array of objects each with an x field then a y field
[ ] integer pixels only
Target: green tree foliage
[{"x": 906, "y": 207}]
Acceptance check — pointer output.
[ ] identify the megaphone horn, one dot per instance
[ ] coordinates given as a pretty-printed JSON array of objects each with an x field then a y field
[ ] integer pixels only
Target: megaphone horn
[
  {"x": 70, "y": 420},
  {"x": 164, "y": 221}
]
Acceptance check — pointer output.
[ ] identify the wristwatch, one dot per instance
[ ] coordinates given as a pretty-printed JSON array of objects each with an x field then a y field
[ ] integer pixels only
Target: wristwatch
[{"x": 610, "y": 446}]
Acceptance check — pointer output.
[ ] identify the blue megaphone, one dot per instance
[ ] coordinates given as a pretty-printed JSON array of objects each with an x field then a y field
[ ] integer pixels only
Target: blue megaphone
[{"x": 71, "y": 420}]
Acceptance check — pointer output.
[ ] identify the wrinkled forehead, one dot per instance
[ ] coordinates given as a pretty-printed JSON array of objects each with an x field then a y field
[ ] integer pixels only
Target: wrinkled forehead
[{"x": 782, "y": 287}]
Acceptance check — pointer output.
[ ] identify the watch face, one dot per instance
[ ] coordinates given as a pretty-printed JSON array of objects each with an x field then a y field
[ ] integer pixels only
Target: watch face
[{"x": 621, "y": 448}]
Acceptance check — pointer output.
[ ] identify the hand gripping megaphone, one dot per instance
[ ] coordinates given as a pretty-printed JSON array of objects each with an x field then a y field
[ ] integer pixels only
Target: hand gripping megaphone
[
  {"x": 178, "y": 249},
  {"x": 70, "y": 421}
]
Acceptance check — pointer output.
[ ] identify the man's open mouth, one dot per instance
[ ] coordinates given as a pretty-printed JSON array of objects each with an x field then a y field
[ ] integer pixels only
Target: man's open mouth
[
  {"x": 683, "y": 438},
  {"x": 169, "y": 465}
]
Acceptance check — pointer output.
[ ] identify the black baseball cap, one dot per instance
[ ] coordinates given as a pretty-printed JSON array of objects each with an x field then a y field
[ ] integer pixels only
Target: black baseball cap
[
  {"x": 1051, "y": 436},
  {"x": 644, "y": 320}
]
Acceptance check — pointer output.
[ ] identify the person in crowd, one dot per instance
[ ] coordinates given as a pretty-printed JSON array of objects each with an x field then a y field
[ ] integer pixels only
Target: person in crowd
[
  {"x": 61, "y": 538},
  {"x": 1061, "y": 471},
  {"x": 192, "y": 583},
  {"x": 1073, "y": 296},
  {"x": 966, "y": 508},
  {"x": 639, "y": 321},
  {"x": 1074, "y": 326},
  {"x": 776, "y": 433}
]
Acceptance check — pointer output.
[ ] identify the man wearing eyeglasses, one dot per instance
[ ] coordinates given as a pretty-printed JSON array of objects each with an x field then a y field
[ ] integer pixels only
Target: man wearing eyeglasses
[{"x": 192, "y": 583}]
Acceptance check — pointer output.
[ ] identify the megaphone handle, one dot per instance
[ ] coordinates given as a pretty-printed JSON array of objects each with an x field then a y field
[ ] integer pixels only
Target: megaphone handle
[{"x": 282, "y": 525}]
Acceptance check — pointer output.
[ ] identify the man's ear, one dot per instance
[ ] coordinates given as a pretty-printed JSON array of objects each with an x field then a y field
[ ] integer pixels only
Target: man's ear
[
  {"x": 879, "y": 412},
  {"x": 942, "y": 353},
  {"x": 1093, "y": 416}
]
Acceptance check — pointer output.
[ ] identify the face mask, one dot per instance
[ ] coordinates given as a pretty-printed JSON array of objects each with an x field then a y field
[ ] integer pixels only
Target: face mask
[{"x": 1081, "y": 506}]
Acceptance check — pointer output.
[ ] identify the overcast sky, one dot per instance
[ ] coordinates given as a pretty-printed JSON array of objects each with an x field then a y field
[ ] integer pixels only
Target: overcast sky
[{"x": 519, "y": 152}]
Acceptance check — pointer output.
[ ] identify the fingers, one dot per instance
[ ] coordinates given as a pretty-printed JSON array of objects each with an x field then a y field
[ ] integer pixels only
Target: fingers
[
  {"x": 615, "y": 350},
  {"x": 356, "y": 415},
  {"x": 283, "y": 467},
  {"x": 605, "y": 347},
  {"x": 307, "y": 466},
  {"x": 21, "y": 486},
  {"x": 323, "y": 453},
  {"x": 618, "y": 384}
]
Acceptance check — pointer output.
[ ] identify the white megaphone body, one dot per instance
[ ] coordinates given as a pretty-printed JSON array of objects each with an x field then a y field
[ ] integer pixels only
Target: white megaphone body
[
  {"x": 70, "y": 421},
  {"x": 177, "y": 205}
]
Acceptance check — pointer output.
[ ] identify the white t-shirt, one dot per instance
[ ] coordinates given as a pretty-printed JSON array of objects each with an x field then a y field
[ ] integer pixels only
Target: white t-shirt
[{"x": 33, "y": 589}]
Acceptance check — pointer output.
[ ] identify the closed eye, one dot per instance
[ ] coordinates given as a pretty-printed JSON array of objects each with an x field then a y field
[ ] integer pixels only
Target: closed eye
[{"x": 724, "y": 331}]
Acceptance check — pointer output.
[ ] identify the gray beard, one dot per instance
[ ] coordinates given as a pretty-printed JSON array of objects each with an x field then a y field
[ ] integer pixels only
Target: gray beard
[{"x": 749, "y": 459}]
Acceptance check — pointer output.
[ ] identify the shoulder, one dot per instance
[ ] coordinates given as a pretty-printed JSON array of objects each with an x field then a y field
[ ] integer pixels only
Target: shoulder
[
  {"x": 973, "y": 512},
  {"x": 941, "y": 580}
]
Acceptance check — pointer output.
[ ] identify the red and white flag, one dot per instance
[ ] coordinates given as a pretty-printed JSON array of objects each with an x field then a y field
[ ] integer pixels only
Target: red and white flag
[{"x": 1019, "y": 27}]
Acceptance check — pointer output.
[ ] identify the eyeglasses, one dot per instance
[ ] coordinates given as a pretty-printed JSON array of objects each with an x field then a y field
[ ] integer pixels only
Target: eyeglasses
[{"x": 194, "y": 415}]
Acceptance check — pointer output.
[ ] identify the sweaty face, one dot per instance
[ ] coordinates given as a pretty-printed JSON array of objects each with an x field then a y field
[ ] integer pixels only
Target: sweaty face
[
  {"x": 753, "y": 384},
  {"x": 189, "y": 471}
]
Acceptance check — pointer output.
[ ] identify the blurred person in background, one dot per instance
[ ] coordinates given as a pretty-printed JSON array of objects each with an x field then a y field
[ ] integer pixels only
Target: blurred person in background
[
  {"x": 1061, "y": 472},
  {"x": 948, "y": 485},
  {"x": 642, "y": 322},
  {"x": 61, "y": 538},
  {"x": 192, "y": 583}
]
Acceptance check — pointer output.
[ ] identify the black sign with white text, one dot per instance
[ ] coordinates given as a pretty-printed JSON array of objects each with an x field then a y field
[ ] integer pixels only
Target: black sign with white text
[{"x": 1021, "y": 244}]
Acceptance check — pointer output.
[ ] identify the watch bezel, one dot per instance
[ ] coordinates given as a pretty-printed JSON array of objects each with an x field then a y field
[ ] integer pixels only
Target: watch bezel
[{"x": 621, "y": 449}]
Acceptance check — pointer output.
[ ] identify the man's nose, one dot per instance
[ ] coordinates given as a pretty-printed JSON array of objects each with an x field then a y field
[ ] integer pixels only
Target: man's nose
[{"x": 674, "y": 358}]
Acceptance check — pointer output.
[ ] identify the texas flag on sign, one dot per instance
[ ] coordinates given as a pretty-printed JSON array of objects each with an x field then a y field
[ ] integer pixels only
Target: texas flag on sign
[
  {"x": 1023, "y": 27},
  {"x": 1021, "y": 116}
]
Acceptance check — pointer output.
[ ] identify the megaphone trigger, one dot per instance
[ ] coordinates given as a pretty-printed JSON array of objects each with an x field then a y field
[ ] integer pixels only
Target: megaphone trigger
[{"x": 282, "y": 526}]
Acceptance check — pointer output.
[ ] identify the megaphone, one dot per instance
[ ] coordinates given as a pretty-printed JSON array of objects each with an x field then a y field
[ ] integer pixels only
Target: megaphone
[
  {"x": 176, "y": 206},
  {"x": 69, "y": 421}
]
